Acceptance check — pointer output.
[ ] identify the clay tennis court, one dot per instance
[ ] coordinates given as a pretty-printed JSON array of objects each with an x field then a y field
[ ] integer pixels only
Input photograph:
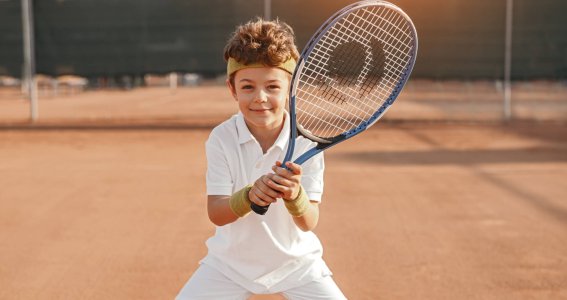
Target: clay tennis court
[{"x": 105, "y": 199}]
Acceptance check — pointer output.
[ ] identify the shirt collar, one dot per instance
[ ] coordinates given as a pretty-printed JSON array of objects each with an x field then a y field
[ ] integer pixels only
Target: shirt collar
[{"x": 244, "y": 134}]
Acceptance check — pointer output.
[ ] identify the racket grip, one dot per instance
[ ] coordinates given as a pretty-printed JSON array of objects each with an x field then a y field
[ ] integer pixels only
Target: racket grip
[{"x": 261, "y": 210}]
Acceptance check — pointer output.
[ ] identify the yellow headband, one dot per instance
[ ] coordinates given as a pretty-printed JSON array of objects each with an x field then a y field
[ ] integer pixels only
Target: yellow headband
[{"x": 233, "y": 66}]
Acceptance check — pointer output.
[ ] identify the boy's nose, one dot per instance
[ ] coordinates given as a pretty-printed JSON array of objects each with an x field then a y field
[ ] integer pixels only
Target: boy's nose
[{"x": 261, "y": 96}]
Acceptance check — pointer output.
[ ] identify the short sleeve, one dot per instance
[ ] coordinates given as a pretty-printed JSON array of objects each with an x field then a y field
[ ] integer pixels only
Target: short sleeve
[
  {"x": 219, "y": 179},
  {"x": 312, "y": 178}
]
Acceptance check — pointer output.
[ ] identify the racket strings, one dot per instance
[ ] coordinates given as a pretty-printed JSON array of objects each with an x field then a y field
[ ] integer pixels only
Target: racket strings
[
  {"x": 352, "y": 71},
  {"x": 390, "y": 42}
]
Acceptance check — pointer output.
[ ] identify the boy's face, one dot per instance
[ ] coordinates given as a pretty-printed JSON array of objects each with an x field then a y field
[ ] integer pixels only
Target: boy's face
[{"x": 261, "y": 94}]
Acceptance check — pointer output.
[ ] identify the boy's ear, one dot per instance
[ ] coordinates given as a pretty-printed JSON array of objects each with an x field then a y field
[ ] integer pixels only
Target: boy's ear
[{"x": 232, "y": 89}]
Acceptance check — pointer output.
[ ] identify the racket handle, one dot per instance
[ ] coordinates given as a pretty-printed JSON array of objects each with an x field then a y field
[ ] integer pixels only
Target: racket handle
[{"x": 261, "y": 210}]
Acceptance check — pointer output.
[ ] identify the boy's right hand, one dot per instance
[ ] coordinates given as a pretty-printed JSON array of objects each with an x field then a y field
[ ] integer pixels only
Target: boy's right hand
[{"x": 261, "y": 194}]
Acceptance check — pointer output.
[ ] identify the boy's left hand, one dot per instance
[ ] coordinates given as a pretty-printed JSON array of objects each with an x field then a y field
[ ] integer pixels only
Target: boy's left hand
[{"x": 285, "y": 181}]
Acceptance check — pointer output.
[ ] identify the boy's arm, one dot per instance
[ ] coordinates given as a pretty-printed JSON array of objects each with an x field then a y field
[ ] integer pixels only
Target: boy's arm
[
  {"x": 288, "y": 182},
  {"x": 224, "y": 209},
  {"x": 219, "y": 210},
  {"x": 308, "y": 221}
]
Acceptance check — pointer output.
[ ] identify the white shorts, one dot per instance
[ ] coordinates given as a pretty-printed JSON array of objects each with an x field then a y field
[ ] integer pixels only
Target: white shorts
[{"x": 207, "y": 283}]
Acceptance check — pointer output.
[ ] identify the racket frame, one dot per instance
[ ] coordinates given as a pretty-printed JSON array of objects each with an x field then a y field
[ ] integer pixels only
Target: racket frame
[{"x": 323, "y": 144}]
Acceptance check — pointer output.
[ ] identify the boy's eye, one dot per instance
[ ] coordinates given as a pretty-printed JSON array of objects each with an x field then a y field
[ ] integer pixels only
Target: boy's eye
[
  {"x": 247, "y": 87},
  {"x": 273, "y": 86}
]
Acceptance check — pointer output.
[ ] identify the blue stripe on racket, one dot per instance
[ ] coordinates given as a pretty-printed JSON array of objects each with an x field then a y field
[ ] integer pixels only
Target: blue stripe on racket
[{"x": 349, "y": 74}]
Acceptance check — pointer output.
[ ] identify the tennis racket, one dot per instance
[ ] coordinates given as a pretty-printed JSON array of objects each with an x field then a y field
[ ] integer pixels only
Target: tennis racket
[{"x": 348, "y": 75}]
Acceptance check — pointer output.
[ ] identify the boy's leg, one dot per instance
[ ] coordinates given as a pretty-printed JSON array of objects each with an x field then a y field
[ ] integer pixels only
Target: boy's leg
[
  {"x": 207, "y": 283},
  {"x": 322, "y": 289}
]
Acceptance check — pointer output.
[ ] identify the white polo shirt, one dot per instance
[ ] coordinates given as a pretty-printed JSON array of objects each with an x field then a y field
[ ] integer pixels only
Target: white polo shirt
[{"x": 262, "y": 253}]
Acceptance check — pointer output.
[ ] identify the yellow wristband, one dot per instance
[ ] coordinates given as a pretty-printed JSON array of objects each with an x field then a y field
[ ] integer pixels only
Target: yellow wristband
[
  {"x": 298, "y": 206},
  {"x": 239, "y": 202}
]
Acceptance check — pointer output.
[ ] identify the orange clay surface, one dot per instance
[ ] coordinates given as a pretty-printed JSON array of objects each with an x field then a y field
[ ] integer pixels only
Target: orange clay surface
[{"x": 411, "y": 210}]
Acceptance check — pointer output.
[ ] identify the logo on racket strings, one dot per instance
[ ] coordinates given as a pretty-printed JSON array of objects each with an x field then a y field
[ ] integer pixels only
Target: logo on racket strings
[{"x": 353, "y": 71}]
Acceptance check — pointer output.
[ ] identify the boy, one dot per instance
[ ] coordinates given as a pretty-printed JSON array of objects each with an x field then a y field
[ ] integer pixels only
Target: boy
[{"x": 249, "y": 253}]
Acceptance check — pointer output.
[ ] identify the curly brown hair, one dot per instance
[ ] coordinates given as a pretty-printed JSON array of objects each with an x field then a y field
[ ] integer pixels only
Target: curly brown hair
[{"x": 258, "y": 41}]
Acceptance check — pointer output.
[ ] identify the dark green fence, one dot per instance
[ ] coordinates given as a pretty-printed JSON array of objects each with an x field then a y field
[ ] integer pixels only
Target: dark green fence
[{"x": 458, "y": 38}]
